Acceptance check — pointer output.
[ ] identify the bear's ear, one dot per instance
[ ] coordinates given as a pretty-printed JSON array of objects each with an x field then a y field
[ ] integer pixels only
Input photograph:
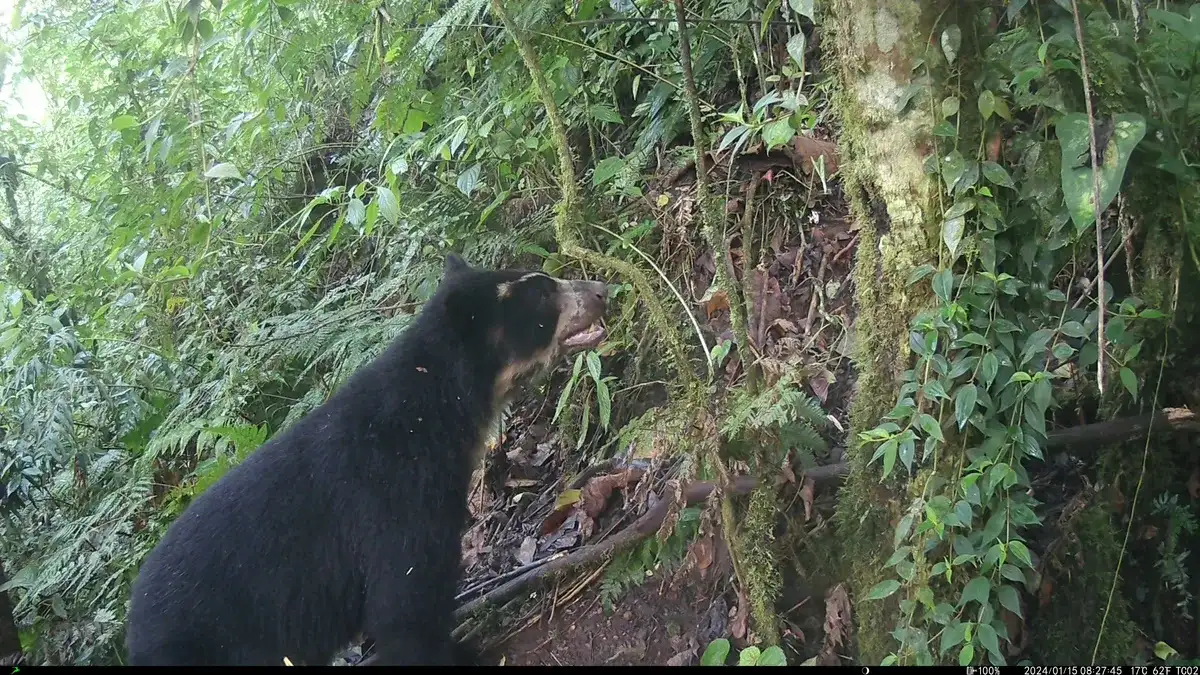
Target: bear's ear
[{"x": 454, "y": 266}]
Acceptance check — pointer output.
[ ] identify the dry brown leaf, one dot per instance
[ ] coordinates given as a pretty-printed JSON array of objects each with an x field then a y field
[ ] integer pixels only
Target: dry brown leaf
[
  {"x": 594, "y": 496},
  {"x": 737, "y": 628},
  {"x": 1194, "y": 483},
  {"x": 716, "y": 302},
  {"x": 820, "y": 386},
  {"x": 702, "y": 554},
  {"x": 807, "y": 152},
  {"x": 1149, "y": 532},
  {"x": 837, "y": 625},
  {"x": 806, "y": 496}
]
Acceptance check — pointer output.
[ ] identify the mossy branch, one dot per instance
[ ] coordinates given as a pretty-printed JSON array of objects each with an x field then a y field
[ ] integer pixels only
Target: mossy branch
[
  {"x": 567, "y": 209},
  {"x": 707, "y": 208}
]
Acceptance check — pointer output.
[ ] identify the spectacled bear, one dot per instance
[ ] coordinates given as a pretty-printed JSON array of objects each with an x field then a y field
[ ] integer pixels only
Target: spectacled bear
[{"x": 351, "y": 519}]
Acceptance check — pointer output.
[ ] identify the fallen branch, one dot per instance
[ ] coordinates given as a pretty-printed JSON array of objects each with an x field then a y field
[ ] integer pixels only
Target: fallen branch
[
  {"x": 643, "y": 527},
  {"x": 1124, "y": 429}
]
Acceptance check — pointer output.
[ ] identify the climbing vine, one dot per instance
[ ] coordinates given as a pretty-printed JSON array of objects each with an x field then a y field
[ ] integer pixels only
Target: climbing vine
[{"x": 1010, "y": 325}]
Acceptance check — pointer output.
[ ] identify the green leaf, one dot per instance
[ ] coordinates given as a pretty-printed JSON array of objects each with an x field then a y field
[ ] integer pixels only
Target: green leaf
[
  {"x": 930, "y": 426},
  {"x": 988, "y": 368},
  {"x": 389, "y": 206},
  {"x": 952, "y": 233},
  {"x": 778, "y": 133},
  {"x": 976, "y": 590},
  {"x": 356, "y": 211},
  {"x": 796, "y": 46},
  {"x": 123, "y": 122},
  {"x": 997, "y": 175},
  {"x": 889, "y": 448},
  {"x": 593, "y": 365},
  {"x": 883, "y": 589},
  {"x": 1009, "y": 598},
  {"x": 772, "y": 656},
  {"x": 987, "y": 104},
  {"x": 223, "y": 170},
  {"x": 1130, "y": 381},
  {"x": 943, "y": 283},
  {"x": 920, "y": 273},
  {"x": 964, "y": 404},
  {"x": 803, "y": 8},
  {"x": 1012, "y": 573},
  {"x": 606, "y": 169},
  {"x": 908, "y": 448},
  {"x": 1074, "y": 138},
  {"x": 715, "y": 653},
  {"x": 988, "y": 638},
  {"x": 949, "y": 106},
  {"x": 469, "y": 179},
  {"x": 966, "y": 655},
  {"x": 1164, "y": 651},
  {"x": 749, "y": 656},
  {"x": 604, "y": 403},
  {"x": 953, "y": 636},
  {"x": 603, "y": 113},
  {"x": 1074, "y": 329},
  {"x": 951, "y": 42},
  {"x": 1020, "y": 552}
]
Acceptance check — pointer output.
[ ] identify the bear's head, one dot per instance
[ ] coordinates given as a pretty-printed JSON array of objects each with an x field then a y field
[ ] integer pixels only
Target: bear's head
[{"x": 523, "y": 320}]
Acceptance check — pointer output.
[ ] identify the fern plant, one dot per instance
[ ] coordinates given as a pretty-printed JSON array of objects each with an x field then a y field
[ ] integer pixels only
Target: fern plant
[{"x": 782, "y": 410}]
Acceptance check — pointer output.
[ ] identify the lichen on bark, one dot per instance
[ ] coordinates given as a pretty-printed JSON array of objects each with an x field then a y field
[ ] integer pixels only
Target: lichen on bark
[{"x": 885, "y": 139}]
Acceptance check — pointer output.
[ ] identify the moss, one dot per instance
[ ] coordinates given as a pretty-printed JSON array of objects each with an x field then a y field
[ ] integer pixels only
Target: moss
[
  {"x": 1081, "y": 573},
  {"x": 760, "y": 570},
  {"x": 884, "y": 144}
]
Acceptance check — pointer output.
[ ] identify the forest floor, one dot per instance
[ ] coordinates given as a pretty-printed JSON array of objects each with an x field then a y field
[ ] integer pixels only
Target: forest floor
[{"x": 801, "y": 320}]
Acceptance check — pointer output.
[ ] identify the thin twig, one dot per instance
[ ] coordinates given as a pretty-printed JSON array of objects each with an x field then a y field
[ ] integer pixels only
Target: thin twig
[{"x": 1087, "y": 99}]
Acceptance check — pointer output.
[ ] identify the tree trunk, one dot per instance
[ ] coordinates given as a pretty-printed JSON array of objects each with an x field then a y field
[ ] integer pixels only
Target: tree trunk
[{"x": 885, "y": 141}]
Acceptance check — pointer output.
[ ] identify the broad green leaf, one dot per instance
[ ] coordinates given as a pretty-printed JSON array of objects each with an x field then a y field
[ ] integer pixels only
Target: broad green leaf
[
  {"x": 951, "y": 42},
  {"x": 469, "y": 179},
  {"x": 606, "y": 169},
  {"x": 603, "y": 113},
  {"x": 123, "y": 122},
  {"x": 1130, "y": 381},
  {"x": 953, "y": 636},
  {"x": 988, "y": 638},
  {"x": 796, "y": 46},
  {"x": 987, "y": 104},
  {"x": 943, "y": 283},
  {"x": 883, "y": 589},
  {"x": 772, "y": 656},
  {"x": 778, "y": 133},
  {"x": 1074, "y": 329},
  {"x": 977, "y": 590},
  {"x": 997, "y": 175},
  {"x": 952, "y": 233},
  {"x": 356, "y": 212},
  {"x": 966, "y": 655},
  {"x": 593, "y": 365},
  {"x": 223, "y": 170},
  {"x": 749, "y": 656},
  {"x": 389, "y": 207},
  {"x": 1073, "y": 136},
  {"x": 1010, "y": 600},
  {"x": 950, "y": 106},
  {"x": 715, "y": 653},
  {"x": 1020, "y": 551},
  {"x": 803, "y": 8}
]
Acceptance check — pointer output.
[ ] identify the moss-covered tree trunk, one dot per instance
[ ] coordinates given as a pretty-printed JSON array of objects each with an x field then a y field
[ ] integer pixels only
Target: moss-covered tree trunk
[{"x": 885, "y": 141}]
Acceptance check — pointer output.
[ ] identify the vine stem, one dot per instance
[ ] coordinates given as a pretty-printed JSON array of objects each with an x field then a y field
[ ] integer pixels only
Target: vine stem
[
  {"x": 1087, "y": 100},
  {"x": 708, "y": 222},
  {"x": 568, "y": 207}
]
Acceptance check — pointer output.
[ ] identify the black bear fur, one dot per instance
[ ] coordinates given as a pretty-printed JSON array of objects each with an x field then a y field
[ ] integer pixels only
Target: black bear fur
[{"x": 350, "y": 520}]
